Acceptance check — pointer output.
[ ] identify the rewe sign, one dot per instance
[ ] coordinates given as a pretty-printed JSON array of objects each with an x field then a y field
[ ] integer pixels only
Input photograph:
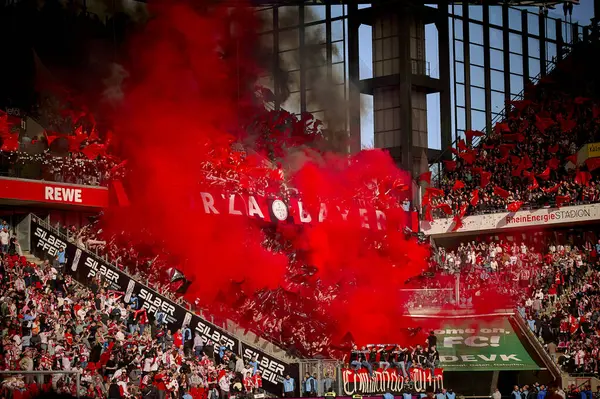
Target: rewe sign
[
  {"x": 42, "y": 192},
  {"x": 63, "y": 194}
]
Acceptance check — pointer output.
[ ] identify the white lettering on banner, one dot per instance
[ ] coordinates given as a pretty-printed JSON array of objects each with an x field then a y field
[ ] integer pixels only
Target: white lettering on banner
[
  {"x": 280, "y": 211},
  {"x": 505, "y": 220},
  {"x": 152, "y": 304},
  {"x": 48, "y": 242},
  {"x": 389, "y": 381},
  {"x": 270, "y": 369},
  {"x": 98, "y": 268},
  {"x": 209, "y": 333},
  {"x": 473, "y": 341},
  {"x": 62, "y": 194},
  {"x": 474, "y": 358}
]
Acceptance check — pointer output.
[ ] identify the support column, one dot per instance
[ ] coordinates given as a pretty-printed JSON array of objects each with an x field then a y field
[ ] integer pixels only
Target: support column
[
  {"x": 354, "y": 77},
  {"x": 467, "y": 64},
  {"x": 406, "y": 141},
  {"x": 505, "y": 39},
  {"x": 445, "y": 96},
  {"x": 486, "y": 67}
]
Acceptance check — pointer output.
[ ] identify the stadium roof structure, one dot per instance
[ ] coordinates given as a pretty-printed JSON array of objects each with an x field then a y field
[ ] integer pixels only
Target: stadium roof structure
[{"x": 513, "y": 3}]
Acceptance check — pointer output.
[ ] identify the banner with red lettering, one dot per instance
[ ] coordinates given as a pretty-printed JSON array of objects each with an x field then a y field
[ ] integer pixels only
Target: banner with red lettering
[{"x": 53, "y": 193}]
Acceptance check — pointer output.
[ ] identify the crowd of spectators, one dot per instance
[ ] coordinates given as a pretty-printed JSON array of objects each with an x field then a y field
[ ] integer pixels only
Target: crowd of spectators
[
  {"x": 556, "y": 287},
  {"x": 531, "y": 156},
  {"x": 74, "y": 169},
  {"x": 49, "y": 322}
]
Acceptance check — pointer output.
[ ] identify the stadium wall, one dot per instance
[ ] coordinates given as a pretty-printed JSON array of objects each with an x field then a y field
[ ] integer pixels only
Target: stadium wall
[{"x": 493, "y": 222}]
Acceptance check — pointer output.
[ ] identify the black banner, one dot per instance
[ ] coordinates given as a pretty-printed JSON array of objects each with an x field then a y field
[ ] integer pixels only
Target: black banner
[
  {"x": 273, "y": 370},
  {"x": 83, "y": 266}
]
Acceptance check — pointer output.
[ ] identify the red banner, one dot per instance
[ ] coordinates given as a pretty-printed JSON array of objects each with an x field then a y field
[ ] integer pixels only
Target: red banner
[{"x": 53, "y": 193}]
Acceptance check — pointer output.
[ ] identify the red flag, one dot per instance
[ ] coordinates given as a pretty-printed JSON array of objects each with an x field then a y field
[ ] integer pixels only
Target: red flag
[
  {"x": 553, "y": 163},
  {"x": 526, "y": 162},
  {"x": 553, "y": 149},
  {"x": 474, "y": 198},
  {"x": 450, "y": 166},
  {"x": 592, "y": 164},
  {"x": 520, "y": 104},
  {"x": 75, "y": 142},
  {"x": 514, "y": 206},
  {"x": 461, "y": 145},
  {"x": 501, "y": 127},
  {"x": 534, "y": 185},
  {"x": 506, "y": 148},
  {"x": 93, "y": 151},
  {"x": 488, "y": 147},
  {"x": 552, "y": 189},
  {"x": 543, "y": 123},
  {"x": 445, "y": 208},
  {"x": 468, "y": 156},
  {"x": 426, "y": 177},
  {"x": 568, "y": 124},
  {"x": 50, "y": 138},
  {"x": 469, "y": 134},
  {"x": 515, "y": 160},
  {"x": 545, "y": 175},
  {"x": 501, "y": 192},
  {"x": 428, "y": 216},
  {"x": 562, "y": 199},
  {"x": 583, "y": 178},
  {"x": 580, "y": 100},
  {"x": 458, "y": 185},
  {"x": 485, "y": 179},
  {"x": 457, "y": 223},
  {"x": 572, "y": 159},
  {"x": 434, "y": 192}
]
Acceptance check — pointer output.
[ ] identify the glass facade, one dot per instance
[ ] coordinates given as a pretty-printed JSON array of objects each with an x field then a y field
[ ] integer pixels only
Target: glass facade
[
  {"x": 308, "y": 52},
  {"x": 495, "y": 51}
]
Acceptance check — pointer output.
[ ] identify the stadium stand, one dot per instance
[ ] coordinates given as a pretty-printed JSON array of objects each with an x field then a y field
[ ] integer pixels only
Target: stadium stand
[{"x": 529, "y": 159}]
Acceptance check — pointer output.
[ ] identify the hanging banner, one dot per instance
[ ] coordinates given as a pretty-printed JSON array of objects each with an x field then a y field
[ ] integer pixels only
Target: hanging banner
[
  {"x": 273, "y": 370},
  {"x": 390, "y": 380},
  {"x": 83, "y": 266},
  {"x": 478, "y": 343}
]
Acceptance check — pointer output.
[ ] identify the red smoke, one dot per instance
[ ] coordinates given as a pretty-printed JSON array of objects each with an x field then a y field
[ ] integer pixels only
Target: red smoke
[{"x": 190, "y": 89}]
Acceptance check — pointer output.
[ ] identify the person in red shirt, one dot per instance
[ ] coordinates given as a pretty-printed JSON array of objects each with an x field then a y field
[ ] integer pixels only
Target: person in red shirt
[
  {"x": 257, "y": 380},
  {"x": 178, "y": 339},
  {"x": 159, "y": 383},
  {"x": 248, "y": 382}
]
